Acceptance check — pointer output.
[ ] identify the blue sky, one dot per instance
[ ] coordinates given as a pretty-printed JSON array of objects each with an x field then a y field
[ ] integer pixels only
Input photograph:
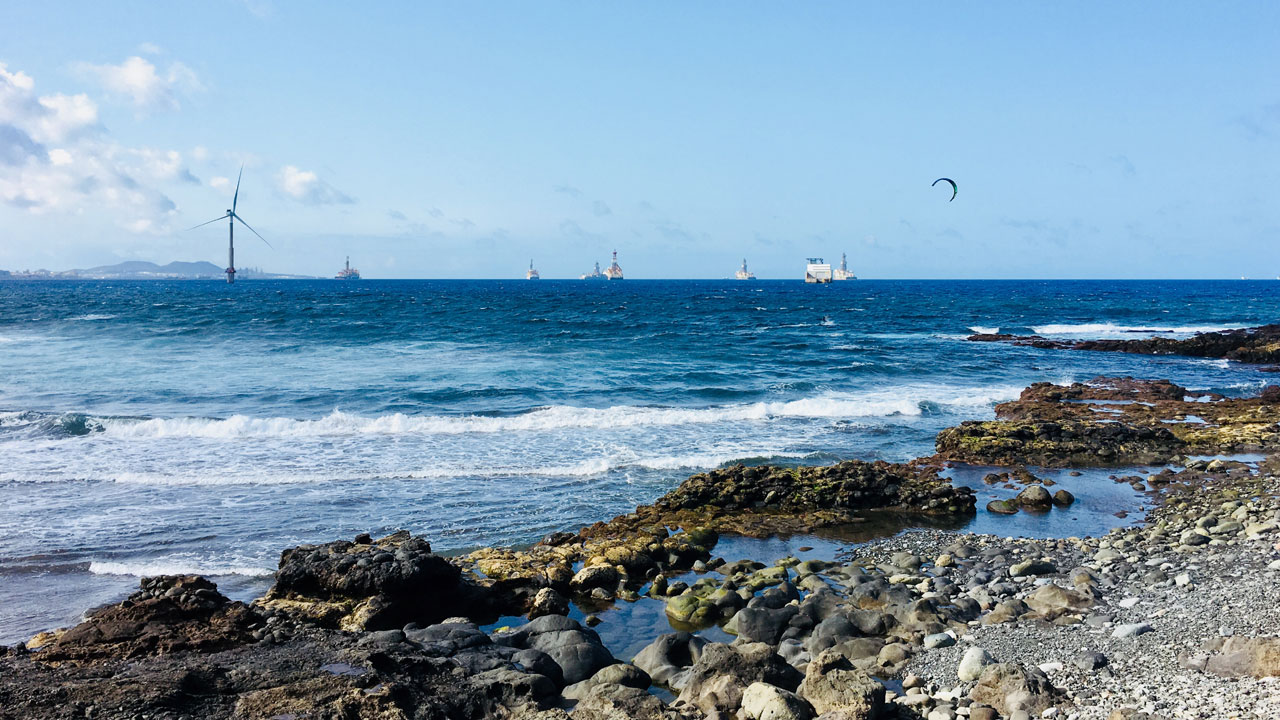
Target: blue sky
[{"x": 463, "y": 139}]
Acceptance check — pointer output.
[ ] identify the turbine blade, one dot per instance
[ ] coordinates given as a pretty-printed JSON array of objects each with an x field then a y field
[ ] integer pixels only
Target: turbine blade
[
  {"x": 255, "y": 232},
  {"x": 223, "y": 217},
  {"x": 236, "y": 197}
]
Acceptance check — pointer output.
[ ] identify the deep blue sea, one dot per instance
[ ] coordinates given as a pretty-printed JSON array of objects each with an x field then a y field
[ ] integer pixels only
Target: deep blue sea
[{"x": 185, "y": 426}]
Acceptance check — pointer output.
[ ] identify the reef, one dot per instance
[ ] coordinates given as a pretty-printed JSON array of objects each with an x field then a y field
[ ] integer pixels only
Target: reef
[
  {"x": 1115, "y": 421},
  {"x": 1247, "y": 345}
]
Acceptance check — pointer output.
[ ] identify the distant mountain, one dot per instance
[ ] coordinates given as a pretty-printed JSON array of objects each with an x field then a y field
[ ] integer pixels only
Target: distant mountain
[
  {"x": 137, "y": 269},
  {"x": 142, "y": 269}
]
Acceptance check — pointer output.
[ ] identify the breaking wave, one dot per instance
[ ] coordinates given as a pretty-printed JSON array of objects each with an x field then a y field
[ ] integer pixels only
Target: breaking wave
[
  {"x": 1113, "y": 329},
  {"x": 892, "y": 402},
  {"x": 174, "y": 567}
]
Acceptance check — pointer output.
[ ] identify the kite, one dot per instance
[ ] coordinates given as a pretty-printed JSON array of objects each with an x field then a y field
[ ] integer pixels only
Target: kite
[{"x": 954, "y": 189}]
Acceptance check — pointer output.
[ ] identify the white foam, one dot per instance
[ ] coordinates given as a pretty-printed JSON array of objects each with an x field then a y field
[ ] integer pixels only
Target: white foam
[
  {"x": 883, "y": 403},
  {"x": 984, "y": 330},
  {"x": 1113, "y": 329},
  {"x": 161, "y": 567},
  {"x": 93, "y": 316}
]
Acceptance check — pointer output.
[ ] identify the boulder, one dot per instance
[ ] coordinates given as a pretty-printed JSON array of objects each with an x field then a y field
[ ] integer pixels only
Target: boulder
[
  {"x": 762, "y": 701},
  {"x": 1244, "y": 656},
  {"x": 759, "y": 624},
  {"x": 1032, "y": 567},
  {"x": 833, "y": 684},
  {"x": 376, "y": 585},
  {"x": 1034, "y": 497},
  {"x": 975, "y": 660},
  {"x": 548, "y": 602},
  {"x": 1010, "y": 688},
  {"x": 1050, "y": 601},
  {"x": 609, "y": 701},
  {"x": 1063, "y": 499},
  {"x": 616, "y": 674},
  {"x": 1002, "y": 507},
  {"x": 668, "y": 655},
  {"x": 596, "y": 576},
  {"x": 723, "y": 673},
  {"x": 576, "y": 649}
]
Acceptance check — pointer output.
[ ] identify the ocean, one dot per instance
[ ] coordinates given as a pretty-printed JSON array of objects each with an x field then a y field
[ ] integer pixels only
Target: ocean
[{"x": 156, "y": 427}]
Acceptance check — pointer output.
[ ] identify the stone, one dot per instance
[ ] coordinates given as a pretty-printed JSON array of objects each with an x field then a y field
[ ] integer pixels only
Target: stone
[
  {"x": 762, "y": 701},
  {"x": 972, "y": 664},
  {"x": 1089, "y": 660},
  {"x": 548, "y": 602},
  {"x": 1032, "y": 567},
  {"x": 1002, "y": 507},
  {"x": 1131, "y": 630},
  {"x": 1192, "y": 538},
  {"x": 832, "y": 683},
  {"x": 1034, "y": 497},
  {"x": 1063, "y": 499},
  {"x": 939, "y": 640}
]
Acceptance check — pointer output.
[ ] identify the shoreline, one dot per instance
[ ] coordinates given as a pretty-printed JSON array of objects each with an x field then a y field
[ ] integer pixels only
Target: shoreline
[{"x": 892, "y": 627}]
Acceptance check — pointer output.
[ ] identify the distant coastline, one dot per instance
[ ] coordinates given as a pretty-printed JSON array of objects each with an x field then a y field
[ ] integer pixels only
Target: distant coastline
[{"x": 144, "y": 270}]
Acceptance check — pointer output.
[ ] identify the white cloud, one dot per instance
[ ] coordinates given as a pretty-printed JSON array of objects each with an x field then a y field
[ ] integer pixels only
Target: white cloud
[
  {"x": 137, "y": 79},
  {"x": 150, "y": 49},
  {"x": 84, "y": 169},
  {"x": 306, "y": 187},
  {"x": 220, "y": 183}
]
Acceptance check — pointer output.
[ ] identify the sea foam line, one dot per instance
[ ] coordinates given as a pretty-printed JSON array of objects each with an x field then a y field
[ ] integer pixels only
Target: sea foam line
[
  {"x": 161, "y": 567},
  {"x": 896, "y": 401}
]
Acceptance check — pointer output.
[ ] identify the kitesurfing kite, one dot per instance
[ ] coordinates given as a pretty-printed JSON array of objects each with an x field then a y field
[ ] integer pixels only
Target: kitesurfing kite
[{"x": 954, "y": 189}]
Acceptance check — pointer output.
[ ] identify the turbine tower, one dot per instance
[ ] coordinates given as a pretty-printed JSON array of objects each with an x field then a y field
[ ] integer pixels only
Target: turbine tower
[{"x": 232, "y": 217}]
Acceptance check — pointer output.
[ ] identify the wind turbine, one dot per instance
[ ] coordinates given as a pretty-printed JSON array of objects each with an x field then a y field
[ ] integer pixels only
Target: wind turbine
[{"x": 232, "y": 217}]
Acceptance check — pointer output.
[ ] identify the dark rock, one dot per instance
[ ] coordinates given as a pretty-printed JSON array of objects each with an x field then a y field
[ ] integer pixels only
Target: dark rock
[
  {"x": 764, "y": 624},
  {"x": 719, "y": 678},
  {"x": 168, "y": 614}
]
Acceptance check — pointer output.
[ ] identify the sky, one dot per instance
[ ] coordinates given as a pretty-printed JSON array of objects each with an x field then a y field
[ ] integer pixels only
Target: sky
[{"x": 461, "y": 140}]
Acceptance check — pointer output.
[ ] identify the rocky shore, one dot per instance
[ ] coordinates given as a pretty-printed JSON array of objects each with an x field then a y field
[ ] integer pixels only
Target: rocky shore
[{"x": 1175, "y": 618}]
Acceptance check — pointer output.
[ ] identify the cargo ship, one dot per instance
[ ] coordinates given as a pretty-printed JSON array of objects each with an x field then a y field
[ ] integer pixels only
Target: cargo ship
[
  {"x": 743, "y": 273},
  {"x": 843, "y": 272},
  {"x": 348, "y": 272},
  {"x": 817, "y": 271},
  {"x": 532, "y": 274}
]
